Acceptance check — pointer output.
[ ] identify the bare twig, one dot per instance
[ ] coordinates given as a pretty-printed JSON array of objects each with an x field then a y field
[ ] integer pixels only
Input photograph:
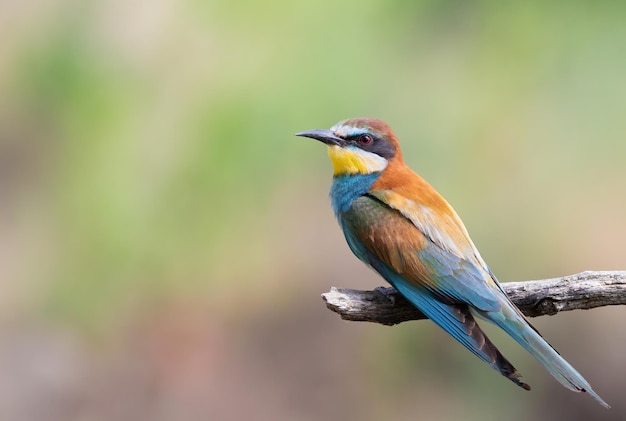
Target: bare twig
[{"x": 582, "y": 291}]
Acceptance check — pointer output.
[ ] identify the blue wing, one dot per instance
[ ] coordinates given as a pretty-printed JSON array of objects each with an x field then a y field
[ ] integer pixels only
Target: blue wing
[
  {"x": 389, "y": 236},
  {"x": 455, "y": 318}
]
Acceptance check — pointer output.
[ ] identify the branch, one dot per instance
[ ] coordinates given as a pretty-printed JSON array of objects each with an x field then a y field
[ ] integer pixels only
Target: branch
[{"x": 582, "y": 291}]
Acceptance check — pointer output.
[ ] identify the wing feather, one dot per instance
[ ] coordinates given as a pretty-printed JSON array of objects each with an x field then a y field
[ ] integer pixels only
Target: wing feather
[{"x": 387, "y": 234}]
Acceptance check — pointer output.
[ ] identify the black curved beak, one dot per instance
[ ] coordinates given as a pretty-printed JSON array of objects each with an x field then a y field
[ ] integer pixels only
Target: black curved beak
[{"x": 325, "y": 136}]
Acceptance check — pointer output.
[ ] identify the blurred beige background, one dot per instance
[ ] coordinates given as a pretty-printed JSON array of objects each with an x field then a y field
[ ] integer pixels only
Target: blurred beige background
[{"x": 165, "y": 238}]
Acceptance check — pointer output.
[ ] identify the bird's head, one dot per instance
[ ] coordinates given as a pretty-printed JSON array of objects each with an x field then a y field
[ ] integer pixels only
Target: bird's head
[{"x": 358, "y": 145}]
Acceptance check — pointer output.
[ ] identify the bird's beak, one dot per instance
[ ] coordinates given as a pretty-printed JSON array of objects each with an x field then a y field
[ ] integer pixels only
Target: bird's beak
[{"x": 325, "y": 136}]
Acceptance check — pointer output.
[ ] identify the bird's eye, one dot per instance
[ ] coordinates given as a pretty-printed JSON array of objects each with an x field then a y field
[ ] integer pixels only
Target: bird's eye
[{"x": 365, "y": 139}]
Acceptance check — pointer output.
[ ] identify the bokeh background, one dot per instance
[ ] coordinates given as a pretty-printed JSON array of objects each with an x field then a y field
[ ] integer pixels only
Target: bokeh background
[{"x": 165, "y": 238}]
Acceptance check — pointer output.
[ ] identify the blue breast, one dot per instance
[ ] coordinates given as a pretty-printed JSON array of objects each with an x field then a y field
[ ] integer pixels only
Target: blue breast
[{"x": 346, "y": 188}]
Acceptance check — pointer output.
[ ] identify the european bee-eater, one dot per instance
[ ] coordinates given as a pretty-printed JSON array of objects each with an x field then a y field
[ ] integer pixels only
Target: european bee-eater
[{"x": 397, "y": 224}]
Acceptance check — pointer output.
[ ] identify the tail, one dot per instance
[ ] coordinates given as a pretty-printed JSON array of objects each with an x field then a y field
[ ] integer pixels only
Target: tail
[
  {"x": 513, "y": 322},
  {"x": 459, "y": 322},
  {"x": 481, "y": 346}
]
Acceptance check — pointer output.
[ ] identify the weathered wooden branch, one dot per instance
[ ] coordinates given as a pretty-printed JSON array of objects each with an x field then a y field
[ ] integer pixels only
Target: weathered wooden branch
[{"x": 582, "y": 291}]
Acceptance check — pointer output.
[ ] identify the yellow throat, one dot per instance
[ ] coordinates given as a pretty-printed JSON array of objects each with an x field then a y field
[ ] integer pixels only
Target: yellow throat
[{"x": 352, "y": 160}]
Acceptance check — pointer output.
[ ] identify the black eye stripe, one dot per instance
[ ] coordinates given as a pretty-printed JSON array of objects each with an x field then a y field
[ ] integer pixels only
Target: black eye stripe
[
  {"x": 357, "y": 138},
  {"x": 376, "y": 145}
]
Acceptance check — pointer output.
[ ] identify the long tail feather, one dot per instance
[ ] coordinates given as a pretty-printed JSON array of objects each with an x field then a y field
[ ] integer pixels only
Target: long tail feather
[
  {"x": 482, "y": 346},
  {"x": 458, "y": 321},
  {"x": 513, "y": 322}
]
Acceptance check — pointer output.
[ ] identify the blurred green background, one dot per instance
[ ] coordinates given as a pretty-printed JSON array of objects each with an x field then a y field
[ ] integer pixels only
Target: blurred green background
[{"x": 165, "y": 237}]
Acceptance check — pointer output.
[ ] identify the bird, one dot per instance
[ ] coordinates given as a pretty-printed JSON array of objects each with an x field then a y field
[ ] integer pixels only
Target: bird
[{"x": 400, "y": 226}]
